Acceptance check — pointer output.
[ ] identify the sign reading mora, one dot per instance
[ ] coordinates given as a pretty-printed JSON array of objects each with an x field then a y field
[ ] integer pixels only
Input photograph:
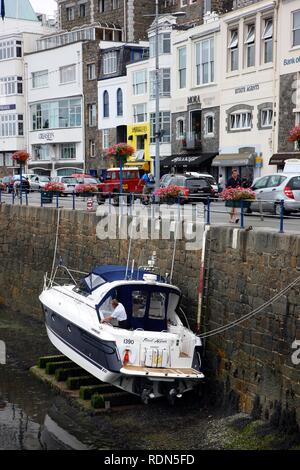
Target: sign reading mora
[{"x": 49, "y": 136}]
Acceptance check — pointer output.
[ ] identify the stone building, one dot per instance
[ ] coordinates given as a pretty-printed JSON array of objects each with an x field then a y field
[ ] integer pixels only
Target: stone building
[{"x": 288, "y": 89}]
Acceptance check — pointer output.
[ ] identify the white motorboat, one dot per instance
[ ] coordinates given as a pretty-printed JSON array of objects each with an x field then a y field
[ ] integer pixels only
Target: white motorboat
[{"x": 156, "y": 356}]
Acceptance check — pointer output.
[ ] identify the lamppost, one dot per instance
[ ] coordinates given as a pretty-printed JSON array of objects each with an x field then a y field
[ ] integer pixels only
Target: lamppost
[{"x": 158, "y": 133}]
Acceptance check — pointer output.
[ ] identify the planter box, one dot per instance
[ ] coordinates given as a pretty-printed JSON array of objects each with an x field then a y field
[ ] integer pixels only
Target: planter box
[{"x": 236, "y": 204}]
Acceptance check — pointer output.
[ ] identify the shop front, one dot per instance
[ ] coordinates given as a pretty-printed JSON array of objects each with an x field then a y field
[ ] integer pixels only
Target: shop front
[
  {"x": 139, "y": 139},
  {"x": 243, "y": 162}
]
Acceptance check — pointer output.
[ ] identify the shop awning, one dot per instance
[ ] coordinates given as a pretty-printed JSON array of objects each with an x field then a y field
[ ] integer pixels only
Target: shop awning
[
  {"x": 280, "y": 158},
  {"x": 235, "y": 159},
  {"x": 187, "y": 160}
]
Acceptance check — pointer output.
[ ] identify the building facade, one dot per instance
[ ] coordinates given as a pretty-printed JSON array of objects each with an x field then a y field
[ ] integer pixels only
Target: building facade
[
  {"x": 195, "y": 102},
  {"x": 18, "y": 33},
  {"x": 289, "y": 81},
  {"x": 248, "y": 90}
]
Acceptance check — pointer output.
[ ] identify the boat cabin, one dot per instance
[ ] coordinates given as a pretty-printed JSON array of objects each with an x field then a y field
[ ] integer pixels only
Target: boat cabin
[{"x": 149, "y": 302}]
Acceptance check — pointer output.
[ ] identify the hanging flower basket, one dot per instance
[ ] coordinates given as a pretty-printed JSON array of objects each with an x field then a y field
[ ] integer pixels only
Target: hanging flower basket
[
  {"x": 294, "y": 136},
  {"x": 86, "y": 190},
  {"x": 120, "y": 152},
  {"x": 21, "y": 157},
  {"x": 233, "y": 197}
]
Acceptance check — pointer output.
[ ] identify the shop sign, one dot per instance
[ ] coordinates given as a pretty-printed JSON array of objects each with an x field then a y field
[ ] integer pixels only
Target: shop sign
[
  {"x": 49, "y": 136},
  {"x": 7, "y": 107},
  {"x": 291, "y": 60},
  {"x": 247, "y": 88},
  {"x": 194, "y": 99},
  {"x": 258, "y": 162},
  {"x": 139, "y": 130},
  {"x": 184, "y": 159}
]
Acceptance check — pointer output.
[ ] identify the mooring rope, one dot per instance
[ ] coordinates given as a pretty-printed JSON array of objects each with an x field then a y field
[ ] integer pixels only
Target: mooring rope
[{"x": 274, "y": 299}]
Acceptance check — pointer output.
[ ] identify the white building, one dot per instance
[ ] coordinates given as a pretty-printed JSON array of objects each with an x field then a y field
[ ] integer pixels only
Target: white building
[
  {"x": 195, "y": 103},
  {"x": 18, "y": 33},
  {"x": 56, "y": 103},
  {"x": 248, "y": 90}
]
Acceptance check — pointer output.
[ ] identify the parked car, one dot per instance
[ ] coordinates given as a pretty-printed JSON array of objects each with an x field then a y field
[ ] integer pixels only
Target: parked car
[
  {"x": 131, "y": 183},
  {"x": 69, "y": 183},
  {"x": 272, "y": 189},
  {"x": 199, "y": 189},
  {"x": 8, "y": 183},
  {"x": 165, "y": 179},
  {"x": 38, "y": 182},
  {"x": 207, "y": 176},
  {"x": 86, "y": 181}
]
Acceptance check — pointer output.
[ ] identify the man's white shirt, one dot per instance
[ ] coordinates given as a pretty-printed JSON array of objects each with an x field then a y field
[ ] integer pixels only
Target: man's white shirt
[{"x": 119, "y": 313}]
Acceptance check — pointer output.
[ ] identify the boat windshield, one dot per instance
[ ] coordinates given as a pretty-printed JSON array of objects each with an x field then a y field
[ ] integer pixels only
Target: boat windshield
[{"x": 91, "y": 282}]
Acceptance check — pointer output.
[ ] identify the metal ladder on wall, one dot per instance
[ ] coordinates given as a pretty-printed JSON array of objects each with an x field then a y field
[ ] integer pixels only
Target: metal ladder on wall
[{"x": 206, "y": 276}]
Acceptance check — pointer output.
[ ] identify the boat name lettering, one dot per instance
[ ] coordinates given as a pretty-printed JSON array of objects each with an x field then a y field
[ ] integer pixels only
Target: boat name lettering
[{"x": 154, "y": 340}]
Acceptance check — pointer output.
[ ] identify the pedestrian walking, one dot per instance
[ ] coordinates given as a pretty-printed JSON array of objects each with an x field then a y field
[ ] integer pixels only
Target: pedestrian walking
[{"x": 234, "y": 181}]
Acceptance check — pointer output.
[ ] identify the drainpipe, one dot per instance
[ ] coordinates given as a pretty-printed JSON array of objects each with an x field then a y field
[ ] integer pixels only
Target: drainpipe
[
  {"x": 276, "y": 79},
  {"x": 125, "y": 21},
  {"x": 201, "y": 279}
]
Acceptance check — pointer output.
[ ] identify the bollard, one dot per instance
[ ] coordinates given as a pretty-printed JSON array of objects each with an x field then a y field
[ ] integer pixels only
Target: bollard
[
  {"x": 242, "y": 214},
  {"x": 42, "y": 204},
  {"x": 281, "y": 216},
  {"x": 208, "y": 211},
  {"x": 0, "y": 196},
  {"x": 109, "y": 202},
  {"x": 26, "y": 198},
  {"x": 73, "y": 201},
  {"x": 13, "y": 197},
  {"x": 57, "y": 200}
]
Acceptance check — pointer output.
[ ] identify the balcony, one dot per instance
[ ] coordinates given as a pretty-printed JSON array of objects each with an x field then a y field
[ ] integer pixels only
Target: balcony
[{"x": 192, "y": 141}]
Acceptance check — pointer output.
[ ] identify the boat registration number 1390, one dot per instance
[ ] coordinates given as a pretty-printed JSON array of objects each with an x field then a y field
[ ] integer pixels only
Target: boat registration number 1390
[{"x": 128, "y": 341}]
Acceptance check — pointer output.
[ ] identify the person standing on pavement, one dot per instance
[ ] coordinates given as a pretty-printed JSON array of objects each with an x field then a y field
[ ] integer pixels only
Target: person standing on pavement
[{"x": 233, "y": 182}]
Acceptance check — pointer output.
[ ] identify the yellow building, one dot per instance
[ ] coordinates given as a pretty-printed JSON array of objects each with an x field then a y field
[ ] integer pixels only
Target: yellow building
[{"x": 138, "y": 136}]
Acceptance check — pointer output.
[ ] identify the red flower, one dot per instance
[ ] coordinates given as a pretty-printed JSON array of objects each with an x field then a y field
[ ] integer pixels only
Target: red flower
[
  {"x": 237, "y": 194},
  {"x": 55, "y": 187},
  {"x": 294, "y": 134},
  {"x": 21, "y": 156}
]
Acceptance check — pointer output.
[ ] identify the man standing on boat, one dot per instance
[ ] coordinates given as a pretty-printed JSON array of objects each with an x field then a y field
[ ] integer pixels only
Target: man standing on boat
[{"x": 119, "y": 314}]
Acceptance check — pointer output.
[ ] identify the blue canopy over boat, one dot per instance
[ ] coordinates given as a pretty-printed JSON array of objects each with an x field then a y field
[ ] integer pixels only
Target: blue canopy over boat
[{"x": 111, "y": 273}]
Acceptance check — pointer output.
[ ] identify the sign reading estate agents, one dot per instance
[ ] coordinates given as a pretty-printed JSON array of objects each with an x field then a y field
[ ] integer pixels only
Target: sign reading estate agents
[
  {"x": 49, "y": 136},
  {"x": 247, "y": 88},
  {"x": 7, "y": 107}
]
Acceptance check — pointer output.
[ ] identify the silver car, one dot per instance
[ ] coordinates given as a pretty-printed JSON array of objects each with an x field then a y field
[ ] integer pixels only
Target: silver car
[
  {"x": 272, "y": 189},
  {"x": 69, "y": 183},
  {"x": 38, "y": 182}
]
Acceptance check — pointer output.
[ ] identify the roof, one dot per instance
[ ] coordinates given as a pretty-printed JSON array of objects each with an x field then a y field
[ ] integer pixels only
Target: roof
[
  {"x": 20, "y": 9},
  {"x": 111, "y": 273}
]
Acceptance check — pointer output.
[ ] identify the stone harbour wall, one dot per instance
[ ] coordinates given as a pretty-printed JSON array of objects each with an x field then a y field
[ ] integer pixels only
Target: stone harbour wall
[{"x": 248, "y": 367}]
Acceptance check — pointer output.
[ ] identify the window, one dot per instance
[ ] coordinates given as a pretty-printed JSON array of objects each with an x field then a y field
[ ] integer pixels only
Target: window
[
  {"x": 266, "y": 117},
  {"x": 119, "y": 102},
  {"x": 296, "y": 28},
  {"x": 70, "y": 13},
  {"x": 261, "y": 183},
  {"x": 240, "y": 120},
  {"x": 139, "y": 303},
  {"x": 109, "y": 63},
  {"x": 105, "y": 138},
  {"x": 115, "y": 4},
  {"x": 209, "y": 125},
  {"x": 91, "y": 71},
  {"x": 41, "y": 152},
  {"x": 207, "y": 6},
  {"x": 11, "y": 86},
  {"x": 164, "y": 44},
  {"x": 68, "y": 151},
  {"x": 106, "y": 104},
  {"x": 92, "y": 148},
  {"x": 67, "y": 74},
  {"x": 140, "y": 82},
  {"x": 180, "y": 129},
  {"x": 205, "y": 62},
  {"x": 82, "y": 10},
  {"x": 140, "y": 113},
  {"x": 56, "y": 114},
  {"x": 250, "y": 46},
  {"x": 275, "y": 181},
  {"x": 164, "y": 83},
  {"x": 267, "y": 38},
  {"x": 157, "y": 307},
  {"x": 182, "y": 66},
  {"x": 165, "y": 127},
  {"x": 234, "y": 50},
  {"x": 10, "y": 49},
  {"x": 40, "y": 79},
  {"x": 11, "y": 125},
  {"x": 92, "y": 111}
]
